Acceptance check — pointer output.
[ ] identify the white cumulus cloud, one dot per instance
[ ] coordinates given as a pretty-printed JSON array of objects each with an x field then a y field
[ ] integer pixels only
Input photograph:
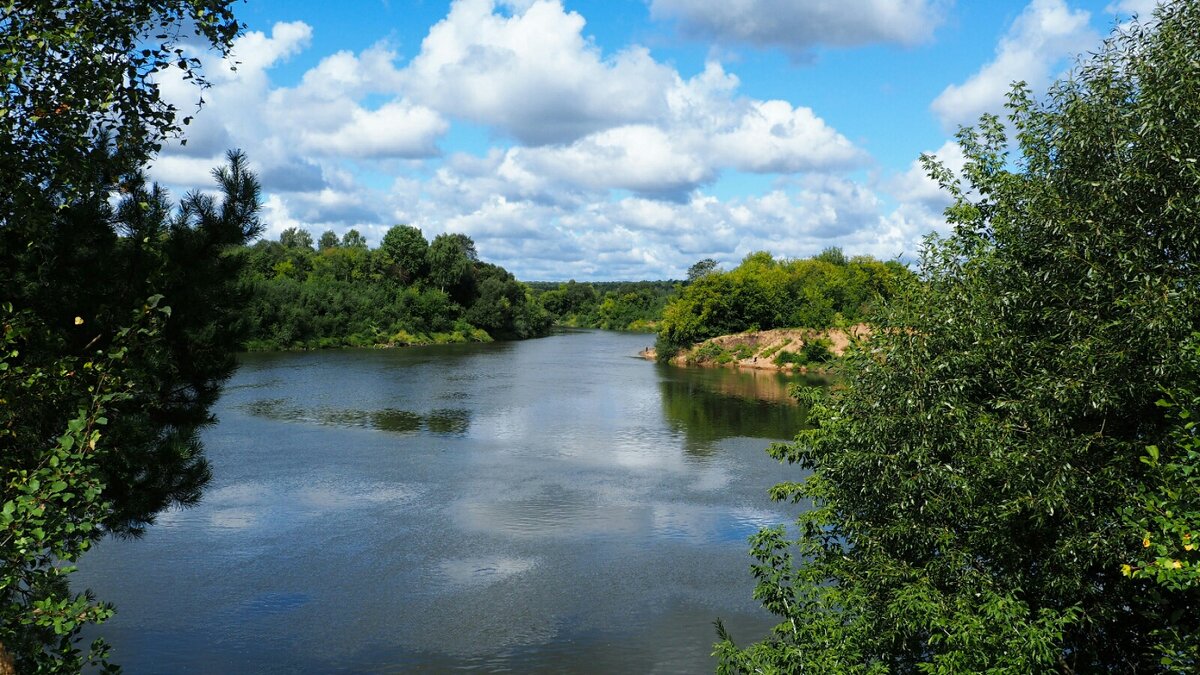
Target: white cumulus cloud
[
  {"x": 1046, "y": 33},
  {"x": 774, "y": 137},
  {"x": 397, "y": 129},
  {"x": 602, "y": 166},
  {"x": 916, "y": 187},
  {"x": 533, "y": 75},
  {"x": 1143, "y": 8}
]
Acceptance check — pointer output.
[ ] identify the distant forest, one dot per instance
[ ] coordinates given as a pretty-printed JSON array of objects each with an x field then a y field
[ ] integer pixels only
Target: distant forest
[
  {"x": 406, "y": 291},
  {"x": 337, "y": 291},
  {"x": 612, "y": 305}
]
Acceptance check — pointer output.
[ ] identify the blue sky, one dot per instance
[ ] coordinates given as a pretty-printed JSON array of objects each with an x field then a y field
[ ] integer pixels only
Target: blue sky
[{"x": 620, "y": 139}]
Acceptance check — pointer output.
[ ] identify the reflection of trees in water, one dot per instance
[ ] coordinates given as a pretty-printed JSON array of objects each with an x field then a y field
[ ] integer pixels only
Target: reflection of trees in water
[
  {"x": 711, "y": 404},
  {"x": 757, "y": 385},
  {"x": 443, "y": 421},
  {"x": 448, "y": 421}
]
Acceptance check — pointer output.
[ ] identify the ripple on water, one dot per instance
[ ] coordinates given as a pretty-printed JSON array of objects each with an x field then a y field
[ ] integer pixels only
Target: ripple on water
[
  {"x": 482, "y": 571},
  {"x": 552, "y": 511},
  {"x": 271, "y": 604},
  {"x": 702, "y": 524},
  {"x": 234, "y": 518},
  {"x": 588, "y": 519}
]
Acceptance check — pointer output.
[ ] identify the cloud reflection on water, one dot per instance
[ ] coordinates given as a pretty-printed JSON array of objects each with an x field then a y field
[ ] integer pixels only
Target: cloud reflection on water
[{"x": 255, "y": 505}]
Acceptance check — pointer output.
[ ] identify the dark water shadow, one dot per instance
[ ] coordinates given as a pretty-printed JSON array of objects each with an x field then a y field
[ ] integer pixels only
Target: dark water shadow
[{"x": 446, "y": 421}]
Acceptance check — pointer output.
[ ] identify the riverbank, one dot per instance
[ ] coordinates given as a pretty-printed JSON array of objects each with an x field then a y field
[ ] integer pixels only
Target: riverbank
[{"x": 797, "y": 350}]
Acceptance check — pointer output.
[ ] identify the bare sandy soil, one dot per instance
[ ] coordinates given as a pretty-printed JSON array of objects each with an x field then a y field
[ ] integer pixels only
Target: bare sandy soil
[{"x": 759, "y": 349}]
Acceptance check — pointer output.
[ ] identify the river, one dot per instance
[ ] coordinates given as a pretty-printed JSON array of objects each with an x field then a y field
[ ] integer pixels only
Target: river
[{"x": 551, "y": 505}]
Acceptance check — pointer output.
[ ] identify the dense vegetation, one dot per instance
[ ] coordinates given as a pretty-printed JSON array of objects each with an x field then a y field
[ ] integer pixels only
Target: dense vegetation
[
  {"x": 119, "y": 320},
  {"x": 1008, "y": 481},
  {"x": 997, "y": 487},
  {"x": 406, "y": 291},
  {"x": 761, "y": 293},
  {"x": 611, "y": 305}
]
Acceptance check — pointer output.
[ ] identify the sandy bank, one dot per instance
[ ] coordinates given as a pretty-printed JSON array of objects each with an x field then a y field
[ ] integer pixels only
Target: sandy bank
[{"x": 760, "y": 349}]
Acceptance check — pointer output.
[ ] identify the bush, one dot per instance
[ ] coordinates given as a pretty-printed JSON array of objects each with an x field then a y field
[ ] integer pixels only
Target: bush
[
  {"x": 983, "y": 497},
  {"x": 816, "y": 350}
]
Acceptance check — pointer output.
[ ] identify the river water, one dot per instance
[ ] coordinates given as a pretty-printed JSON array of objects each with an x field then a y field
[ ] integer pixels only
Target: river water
[{"x": 552, "y": 505}]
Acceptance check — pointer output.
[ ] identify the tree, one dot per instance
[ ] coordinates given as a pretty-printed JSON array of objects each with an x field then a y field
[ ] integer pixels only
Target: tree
[
  {"x": 73, "y": 363},
  {"x": 978, "y": 495},
  {"x": 67, "y": 92},
  {"x": 104, "y": 394},
  {"x": 354, "y": 239},
  {"x": 296, "y": 238},
  {"x": 408, "y": 251},
  {"x": 52, "y": 509},
  {"x": 702, "y": 268},
  {"x": 1166, "y": 508},
  {"x": 503, "y": 307},
  {"x": 832, "y": 255},
  {"x": 328, "y": 240},
  {"x": 348, "y": 296},
  {"x": 763, "y": 293},
  {"x": 451, "y": 265}
]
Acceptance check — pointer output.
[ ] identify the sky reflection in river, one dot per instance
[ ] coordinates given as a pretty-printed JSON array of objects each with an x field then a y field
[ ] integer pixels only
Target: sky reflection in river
[{"x": 546, "y": 506}]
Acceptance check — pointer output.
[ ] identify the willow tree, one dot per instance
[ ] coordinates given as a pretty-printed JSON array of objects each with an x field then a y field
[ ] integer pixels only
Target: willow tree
[{"x": 977, "y": 499}]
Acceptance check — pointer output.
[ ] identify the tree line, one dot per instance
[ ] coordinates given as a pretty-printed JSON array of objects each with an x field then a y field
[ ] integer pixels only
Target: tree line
[
  {"x": 408, "y": 290},
  {"x": 611, "y": 305},
  {"x": 826, "y": 291}
]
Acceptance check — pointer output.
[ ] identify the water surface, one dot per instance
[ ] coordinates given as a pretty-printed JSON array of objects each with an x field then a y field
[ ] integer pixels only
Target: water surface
[{"x": 553, "y": 505}]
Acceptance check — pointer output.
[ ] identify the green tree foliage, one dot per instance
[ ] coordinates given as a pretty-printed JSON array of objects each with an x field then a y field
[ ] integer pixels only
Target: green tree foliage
[
  {"x": 356, "y": 296},
  {"x": 763, "y": 293},
  {"x": 80, "y": 113},
  {"x": 1166, "y": 508},
  {"x": 295, "y": 237},
  {"x": 53, "y": 508},
  {"x": 78, "y": 75},
  {"x": 702, "y": 268},
  {"x": 75, "y": 293},
  {"x": 501, "y": 307},
  {"x": 354, "y": 239},
  {"x": 611, "y": 305},
  {"x": 978, "y": 497},
  {"x": 406, "y": 253},
  {"x": 832, "y": 255},
  {"x": 451, "y": 259},
  {"x": 328, "y": 240},
  {"x": 569, "y": 299}
]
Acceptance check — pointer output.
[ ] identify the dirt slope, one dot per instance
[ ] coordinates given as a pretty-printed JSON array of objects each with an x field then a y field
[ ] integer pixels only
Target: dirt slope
[{"x": 762, "y": 349}]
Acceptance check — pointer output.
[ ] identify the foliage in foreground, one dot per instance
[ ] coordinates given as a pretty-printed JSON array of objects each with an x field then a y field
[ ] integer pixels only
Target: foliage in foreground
[
  {"x": 72, "y": 366},
  {"x": 979, "y": 499},
  {"x": 100, "y": 412},
  {"x": 54, "y": 508}
]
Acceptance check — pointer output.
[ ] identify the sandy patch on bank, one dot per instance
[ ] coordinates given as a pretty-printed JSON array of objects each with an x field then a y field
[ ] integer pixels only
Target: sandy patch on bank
[{"x": 762, "y": 347}]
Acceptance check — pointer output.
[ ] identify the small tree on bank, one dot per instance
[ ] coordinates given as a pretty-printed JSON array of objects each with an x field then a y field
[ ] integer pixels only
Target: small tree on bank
[{"x": 979, "y": 499}]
